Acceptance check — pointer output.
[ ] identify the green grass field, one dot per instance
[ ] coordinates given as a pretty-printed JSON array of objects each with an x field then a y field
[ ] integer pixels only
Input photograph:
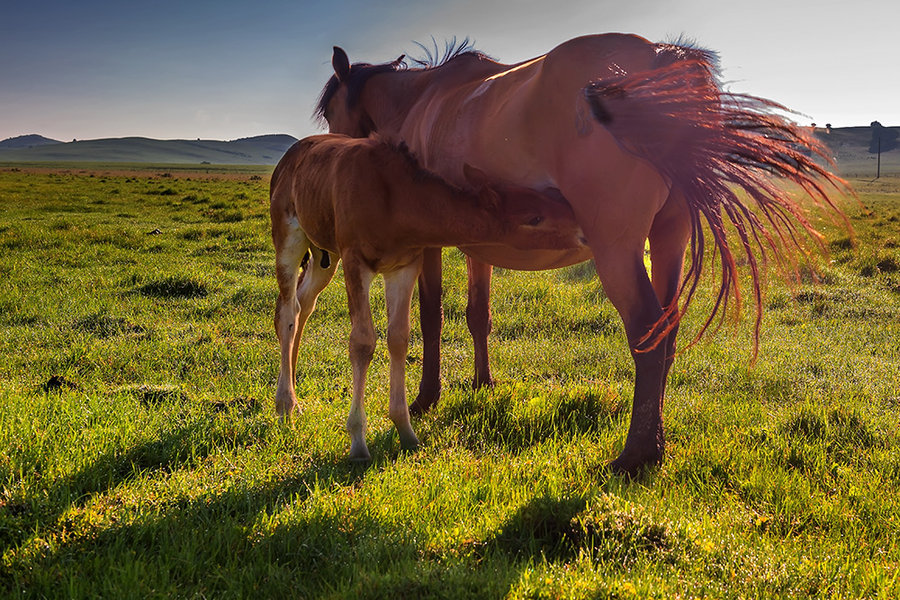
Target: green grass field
[{"x": 140, "y": 455}]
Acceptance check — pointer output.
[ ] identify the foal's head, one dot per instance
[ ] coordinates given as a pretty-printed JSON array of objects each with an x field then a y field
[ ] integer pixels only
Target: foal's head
[{"x": 532, "y": 220}]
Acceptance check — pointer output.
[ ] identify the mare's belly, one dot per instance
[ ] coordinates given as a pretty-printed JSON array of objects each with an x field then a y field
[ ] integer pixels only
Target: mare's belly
[{"x": 526, "y": 260}]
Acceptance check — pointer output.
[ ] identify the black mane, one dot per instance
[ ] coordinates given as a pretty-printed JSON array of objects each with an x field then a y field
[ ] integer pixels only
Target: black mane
[
  {"x": 685, "y": 48},
  {"x": 433, "y": 58}
]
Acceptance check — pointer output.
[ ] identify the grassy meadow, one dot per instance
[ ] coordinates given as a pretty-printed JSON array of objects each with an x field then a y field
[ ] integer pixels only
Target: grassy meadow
[{"x": 140, "y": 455}]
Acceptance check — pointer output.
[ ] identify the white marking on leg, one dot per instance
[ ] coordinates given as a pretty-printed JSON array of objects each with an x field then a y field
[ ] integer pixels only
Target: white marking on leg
[
  {"x": 289, "y": 252},
  {"x": 398, "y": 287}
]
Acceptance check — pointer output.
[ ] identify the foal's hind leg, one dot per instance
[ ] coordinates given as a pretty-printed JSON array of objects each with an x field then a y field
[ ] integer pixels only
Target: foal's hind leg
[
  {"x": 315, "y": 277},
  {"x": 398, "y": 287},
  {"x": 291, "y": 244}
]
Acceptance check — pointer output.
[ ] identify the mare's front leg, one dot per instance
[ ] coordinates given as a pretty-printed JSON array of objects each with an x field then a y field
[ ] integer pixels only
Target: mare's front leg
[
  {"x": 398, "y": 286},
  {"x": 358, "y": 279},
  {"x": 478, "y": 318},
  {"x": 431, "y": 316}
]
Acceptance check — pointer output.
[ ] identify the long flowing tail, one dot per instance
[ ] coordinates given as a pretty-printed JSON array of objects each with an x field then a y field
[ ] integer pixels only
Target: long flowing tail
[{"x": 711, "y": 145}]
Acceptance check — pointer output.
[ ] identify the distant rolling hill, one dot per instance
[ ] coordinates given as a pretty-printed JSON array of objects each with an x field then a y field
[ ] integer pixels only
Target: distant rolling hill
[
  {"x": 27, "y": 141},
  {"x": 260, "y": 150}
]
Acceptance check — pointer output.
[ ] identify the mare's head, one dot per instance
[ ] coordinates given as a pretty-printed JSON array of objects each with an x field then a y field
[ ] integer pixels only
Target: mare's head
[
  {"x": 340, "y": 103},
  {"x": 531, "y": 219}
]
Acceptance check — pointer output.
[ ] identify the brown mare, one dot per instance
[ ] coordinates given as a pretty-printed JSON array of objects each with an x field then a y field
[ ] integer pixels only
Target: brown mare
[
  {"x": 370, "y": 205},
  {"x": 642, "y": 143}
]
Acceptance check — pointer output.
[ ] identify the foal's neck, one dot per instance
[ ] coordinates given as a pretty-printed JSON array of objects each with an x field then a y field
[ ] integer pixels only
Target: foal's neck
[{"x": 449, "y": 216}]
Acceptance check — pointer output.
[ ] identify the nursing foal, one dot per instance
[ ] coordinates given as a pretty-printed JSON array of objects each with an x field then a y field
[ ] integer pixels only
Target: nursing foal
[{"x": 369, "y": 204}]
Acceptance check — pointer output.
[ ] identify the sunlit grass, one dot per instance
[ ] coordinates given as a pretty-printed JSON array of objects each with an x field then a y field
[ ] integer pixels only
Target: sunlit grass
[{"x": 140, "y": 455}]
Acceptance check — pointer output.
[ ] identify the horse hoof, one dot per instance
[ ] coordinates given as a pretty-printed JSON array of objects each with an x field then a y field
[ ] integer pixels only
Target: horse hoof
[
  {"x": 285, "y": 416},
  {"x": 409, "y": 444},
  {"x": 359, "y": 452},
  {"x": 480, "y": 383},
  {"x": 359, "y": 457},
  {"x": 631, "y": 464},
  {"x": 424, "y": 402},
  {"x": 285, "y": 409}
]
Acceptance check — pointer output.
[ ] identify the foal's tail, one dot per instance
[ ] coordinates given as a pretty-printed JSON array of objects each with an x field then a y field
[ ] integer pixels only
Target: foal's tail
[{"x": 710, "y": 145}]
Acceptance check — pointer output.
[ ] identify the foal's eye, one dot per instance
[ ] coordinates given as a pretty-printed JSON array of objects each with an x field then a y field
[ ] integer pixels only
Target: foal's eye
[{"x": 534, "y": 222}]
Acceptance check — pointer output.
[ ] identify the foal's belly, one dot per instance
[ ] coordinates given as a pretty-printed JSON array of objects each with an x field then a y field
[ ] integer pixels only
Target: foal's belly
[{"x": 526, "y": 260}]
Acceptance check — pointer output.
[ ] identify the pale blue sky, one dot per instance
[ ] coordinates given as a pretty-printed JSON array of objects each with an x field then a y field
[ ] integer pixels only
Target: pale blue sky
[{"x": 223, "y": 70}]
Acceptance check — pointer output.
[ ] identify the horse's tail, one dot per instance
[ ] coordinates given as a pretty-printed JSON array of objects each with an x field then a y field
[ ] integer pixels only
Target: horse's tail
[{"x": 710, "y": 145}]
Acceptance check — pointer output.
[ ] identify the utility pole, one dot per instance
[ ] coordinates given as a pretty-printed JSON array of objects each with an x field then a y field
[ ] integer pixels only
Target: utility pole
[{"x": 878, "y": 173}]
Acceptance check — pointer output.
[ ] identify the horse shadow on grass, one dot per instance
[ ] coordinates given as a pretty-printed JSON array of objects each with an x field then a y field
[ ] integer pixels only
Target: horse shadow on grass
[
  {"x": 224, "y": 533},
  {"x": 180, "y": 448},
  {"x": 503, "y": 418},
  {"x": 607, "y": 528},
  {"x": 264, "y": 539}
]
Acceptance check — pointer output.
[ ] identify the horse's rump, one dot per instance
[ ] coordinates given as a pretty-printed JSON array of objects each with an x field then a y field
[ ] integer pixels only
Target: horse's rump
[{"x": 709, "y": 144}]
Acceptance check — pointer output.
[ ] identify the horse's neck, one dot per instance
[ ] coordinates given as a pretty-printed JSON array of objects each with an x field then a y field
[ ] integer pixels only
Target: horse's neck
[{"x": 390, "y": 97}]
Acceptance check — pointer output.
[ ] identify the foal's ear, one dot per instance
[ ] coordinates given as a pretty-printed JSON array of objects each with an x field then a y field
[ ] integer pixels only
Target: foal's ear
[
  {"x": 481, "y": 183},
  {"x": 474, "y": 176},
  {"x": 341, "y": 63},
  {"x": 489, "y": 198}
]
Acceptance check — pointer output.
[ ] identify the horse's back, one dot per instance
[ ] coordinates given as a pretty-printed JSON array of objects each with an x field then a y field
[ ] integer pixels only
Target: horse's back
[
  {"x": 593, "y": 56},
  {"x": 314, "y": 180}
]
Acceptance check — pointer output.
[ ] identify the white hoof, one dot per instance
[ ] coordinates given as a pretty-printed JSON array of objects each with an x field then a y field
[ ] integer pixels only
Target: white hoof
[{"x": 359, "y": 451}]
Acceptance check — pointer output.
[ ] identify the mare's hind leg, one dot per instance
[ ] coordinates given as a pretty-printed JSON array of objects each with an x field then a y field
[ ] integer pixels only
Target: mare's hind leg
[
  {"x": 291, "y": 244},
  {"x": 616, "y": 213},
  {"x": 398, "y": 286},
  {"x": 358, "y": 278},
  {"x": 626, "y": 284},
  {"x": 669, "y": 237},
  {"x": 478, "y": 318}
]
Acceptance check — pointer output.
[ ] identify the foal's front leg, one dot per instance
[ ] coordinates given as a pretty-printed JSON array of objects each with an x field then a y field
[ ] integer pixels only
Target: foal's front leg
[
  {"x": 358, "y": 279},
  {"x": 398, "y": 286}
]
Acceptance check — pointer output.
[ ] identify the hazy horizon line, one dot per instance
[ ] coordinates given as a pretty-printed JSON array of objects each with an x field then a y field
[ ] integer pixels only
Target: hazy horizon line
[{"x": 296, "y": 136}]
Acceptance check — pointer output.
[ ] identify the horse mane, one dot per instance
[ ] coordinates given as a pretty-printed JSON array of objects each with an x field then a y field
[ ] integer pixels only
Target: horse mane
[
  {"x": 453, "y": 48},
  {"x": 684, "y": 48}
]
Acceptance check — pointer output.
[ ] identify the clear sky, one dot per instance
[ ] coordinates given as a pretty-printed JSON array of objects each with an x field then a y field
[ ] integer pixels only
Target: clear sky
[{"x": 223, "y": 69}]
